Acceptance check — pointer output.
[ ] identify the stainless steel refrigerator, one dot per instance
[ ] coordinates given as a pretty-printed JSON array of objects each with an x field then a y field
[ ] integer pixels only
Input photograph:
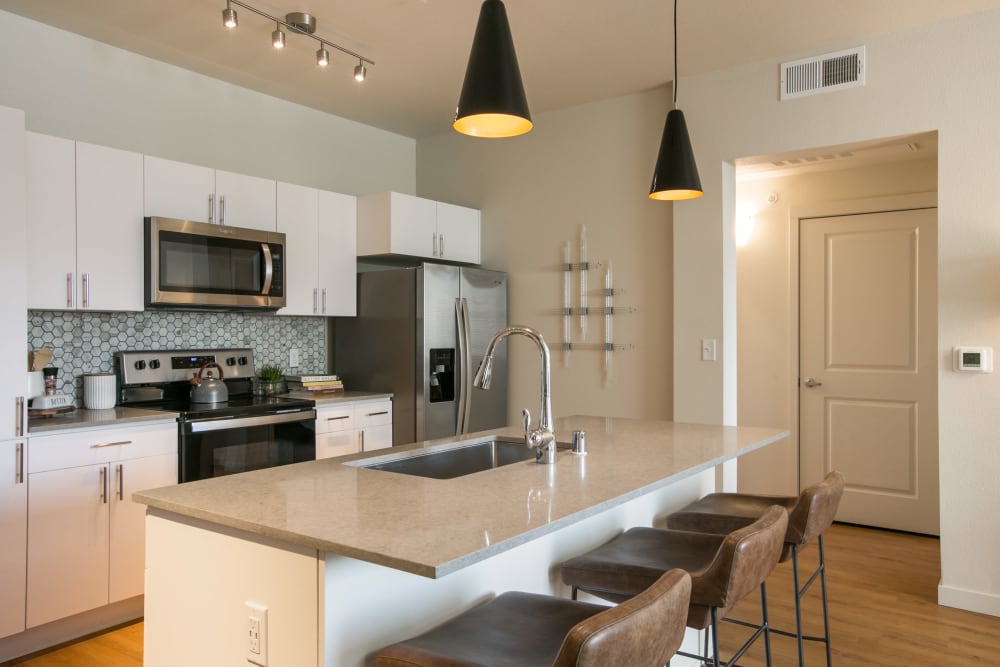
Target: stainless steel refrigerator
[{"x": 420, "y": 333}]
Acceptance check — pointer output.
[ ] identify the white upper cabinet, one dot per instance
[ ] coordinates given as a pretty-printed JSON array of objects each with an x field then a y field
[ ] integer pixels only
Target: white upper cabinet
[
  {"x": 202, "y": 194},
  {"x": 13, "y": 332},
  {"x": 84, "y": 211},
  {"x": 392, "y": 223},
  {"x": 320, "y": 255}
]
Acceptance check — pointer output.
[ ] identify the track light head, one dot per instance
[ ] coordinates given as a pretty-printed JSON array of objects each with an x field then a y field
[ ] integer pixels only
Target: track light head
[
  {"x": 229, "y": 18},
  {"x": 360, "y": 72},
  {"x": 278, "y": 37},
  {"x": 322, "y": 57}
]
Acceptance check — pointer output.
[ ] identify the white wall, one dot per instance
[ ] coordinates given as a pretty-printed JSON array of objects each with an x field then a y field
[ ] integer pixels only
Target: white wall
[
  {"x": 587, "y": 165},
  {"x": 937, "y": 77},
  {"x": 74, "y": 87}
]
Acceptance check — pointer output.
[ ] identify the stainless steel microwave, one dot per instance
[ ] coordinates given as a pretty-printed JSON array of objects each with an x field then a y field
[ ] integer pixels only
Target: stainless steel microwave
[{"x": 194, "y": 265}]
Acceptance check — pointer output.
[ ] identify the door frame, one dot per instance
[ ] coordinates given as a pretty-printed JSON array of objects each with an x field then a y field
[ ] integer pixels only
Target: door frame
[{"x": 886, "y": 204}]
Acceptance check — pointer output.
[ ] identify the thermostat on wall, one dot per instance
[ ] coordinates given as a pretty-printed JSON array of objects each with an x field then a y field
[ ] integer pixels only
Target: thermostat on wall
[{"x": 974, "y": 359}]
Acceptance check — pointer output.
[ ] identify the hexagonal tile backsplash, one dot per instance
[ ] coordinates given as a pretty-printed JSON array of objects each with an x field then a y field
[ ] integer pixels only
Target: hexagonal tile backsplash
[{"x": 86, "y": 342}]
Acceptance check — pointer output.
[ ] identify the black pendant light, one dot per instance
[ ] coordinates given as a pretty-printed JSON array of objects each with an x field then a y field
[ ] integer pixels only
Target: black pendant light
[
  {"x": 676, "y": 174},
  {"x": 492, "y": 103}
]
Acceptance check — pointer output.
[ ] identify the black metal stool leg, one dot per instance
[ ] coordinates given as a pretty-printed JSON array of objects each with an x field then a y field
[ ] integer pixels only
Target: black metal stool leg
[
  {"x": 715, "y": 638},
  {"x": 826, "y": 614},
  {"x": 798, "y": 602},
  {"x": 764, "y": 623}
]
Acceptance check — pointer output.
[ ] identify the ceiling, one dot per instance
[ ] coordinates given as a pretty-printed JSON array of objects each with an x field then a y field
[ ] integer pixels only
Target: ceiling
[{"x": 570, "y": 51}]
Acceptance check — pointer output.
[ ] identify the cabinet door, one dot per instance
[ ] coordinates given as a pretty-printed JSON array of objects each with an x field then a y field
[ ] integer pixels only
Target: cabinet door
[
  {"x": 413, "y": 224},
  {"x": 338, "y": 265},
  {"x": 109, "y": 242},
  {"x": 178, "y": 190},
  {"x": 246, "y": 201},
  {"x": 67, "y": 542},
  {"x": 51, "y": 214},
  {"x": 458, "y": 233},
  {"x": 128, "y": 520},
  {"x": 298, "y": 212},
  {"x": 13, "y": 332},
  {"x": 376, "y": 437},
  {"x": 336, "y": 443},
  {"x": 14, "y": 528}
]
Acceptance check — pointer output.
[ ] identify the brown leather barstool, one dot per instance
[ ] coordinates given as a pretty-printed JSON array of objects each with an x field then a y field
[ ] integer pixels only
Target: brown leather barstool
[
  {"x": 528, "y": 630},
  {"x": 724, "y": 570},
  {"x": 809, "y": 515}
]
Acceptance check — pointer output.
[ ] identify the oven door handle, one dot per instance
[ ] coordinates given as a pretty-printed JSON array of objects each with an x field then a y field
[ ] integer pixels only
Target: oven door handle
[{"x": 265, "y": 420}]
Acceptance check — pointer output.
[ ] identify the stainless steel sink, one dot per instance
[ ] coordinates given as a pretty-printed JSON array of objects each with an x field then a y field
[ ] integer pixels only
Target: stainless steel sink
[{"x": 463, "y": 459}]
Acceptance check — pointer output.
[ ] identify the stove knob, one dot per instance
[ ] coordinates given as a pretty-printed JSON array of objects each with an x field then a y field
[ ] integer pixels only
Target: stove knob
[
  {"x": 154, "y": 364},
  {"x": 140, "y": 365},
  {"x": 243, "y": 361},
  {"x": 230, "y": 361}
]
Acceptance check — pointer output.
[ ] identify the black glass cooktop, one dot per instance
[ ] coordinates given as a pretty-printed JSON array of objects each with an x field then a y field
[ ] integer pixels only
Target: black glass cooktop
[{"x": 236, "y": 406}]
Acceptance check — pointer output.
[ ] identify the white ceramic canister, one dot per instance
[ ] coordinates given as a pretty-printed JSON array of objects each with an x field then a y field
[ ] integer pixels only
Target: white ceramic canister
[{"x": 99, "y": 391}]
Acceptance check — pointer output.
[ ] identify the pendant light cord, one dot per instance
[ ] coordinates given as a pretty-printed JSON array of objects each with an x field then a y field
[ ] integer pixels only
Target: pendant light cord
[{"x": 675, "y": 54}]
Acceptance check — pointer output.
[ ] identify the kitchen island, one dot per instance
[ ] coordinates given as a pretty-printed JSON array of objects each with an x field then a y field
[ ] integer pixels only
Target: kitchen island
[{"x": 348, "y": 559}]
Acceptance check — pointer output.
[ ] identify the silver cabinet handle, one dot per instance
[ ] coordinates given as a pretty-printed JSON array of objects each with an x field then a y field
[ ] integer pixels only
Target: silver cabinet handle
[
  {"x": 19, "y": 464},
  {"x": 440, "y": 245},
  {"x": 222, "y": 209},
  {"x": 112, "y": 444},
  {"x": 315, "y": 300},
  {"x": 211, "y": 208},
  {"x": 333, "y": 419},
  {"x": 104, "y": 484},
  {"x": 362, "y": 433},
  {"x": 376, "y": 414},
  {"x": 434, "y": 244},
  {"x": 120, "y": 472},
  {"x": 324, "y": 301},
  {"x": 19, "y": 417},
  {"x": 69, "y": 290},
  {"x": 86, "y": 290},
  {"x": 810, "y": 383}
]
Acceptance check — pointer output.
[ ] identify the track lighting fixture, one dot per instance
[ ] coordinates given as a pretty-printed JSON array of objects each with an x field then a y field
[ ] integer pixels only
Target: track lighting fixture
[
  {"x": 229, "y": 18},
  {"x": 492, "y": 102},
  {"x": 299, "y": 23},
  {"x": 676, "y": 174}
]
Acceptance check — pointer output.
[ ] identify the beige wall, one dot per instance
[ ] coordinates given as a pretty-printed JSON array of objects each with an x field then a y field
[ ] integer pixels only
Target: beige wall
[
  {"x": 74, "y": 87},
  {"x": 764, "y": 267},
  {"x": 587, "y": 165},
  {"x": 930, "y": 78}
]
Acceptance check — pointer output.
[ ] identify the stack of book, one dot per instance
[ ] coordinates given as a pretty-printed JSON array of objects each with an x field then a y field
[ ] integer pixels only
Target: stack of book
[{"x": 315, "y": 384}]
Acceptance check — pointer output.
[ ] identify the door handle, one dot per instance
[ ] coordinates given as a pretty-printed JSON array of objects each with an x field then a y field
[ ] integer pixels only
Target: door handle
[{"x": 810, "y": 383}]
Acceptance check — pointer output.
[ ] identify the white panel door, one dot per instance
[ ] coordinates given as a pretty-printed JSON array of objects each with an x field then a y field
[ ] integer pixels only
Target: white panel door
[
  {"x": 338, "y": 261},
  {"x": 298, "y": 213},
  {"x": 128, "y": 520},
  {"x": 178, "y": 190},
  {"x": 51, "y": 214},
  {"x": 868, "y": 364},
  {"x": 246, "y": 201},
  {"x": 458, "y": 233},
  {"x": 13, "y": 331},
  {"x": 109, "y": 227},
  {"x": 67, "y": 542},
  {"x": 14, "y": 528}
]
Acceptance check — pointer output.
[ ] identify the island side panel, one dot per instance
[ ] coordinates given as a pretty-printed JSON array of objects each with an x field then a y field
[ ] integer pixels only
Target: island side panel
[
  {"x": 198, "y": 579},
  {"x": 367, "y": 606}
]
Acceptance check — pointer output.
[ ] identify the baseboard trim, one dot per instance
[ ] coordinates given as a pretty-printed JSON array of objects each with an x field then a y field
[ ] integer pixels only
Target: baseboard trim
[{"x": 976, "y": 601}]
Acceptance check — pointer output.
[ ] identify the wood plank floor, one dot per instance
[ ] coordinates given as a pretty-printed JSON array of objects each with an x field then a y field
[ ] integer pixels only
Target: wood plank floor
[{"x": 883, "y": 611}]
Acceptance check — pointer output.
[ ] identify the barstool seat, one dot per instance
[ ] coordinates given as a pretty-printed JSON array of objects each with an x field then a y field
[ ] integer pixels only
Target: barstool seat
[
  {"x": 809, "y": 515},
  {"x": 724, "y": 570},
  {"x": 529, "y": 630}
]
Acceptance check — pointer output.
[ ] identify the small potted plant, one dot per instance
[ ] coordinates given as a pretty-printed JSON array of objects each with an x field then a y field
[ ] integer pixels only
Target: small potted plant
[{"x": 270, "y": 381}]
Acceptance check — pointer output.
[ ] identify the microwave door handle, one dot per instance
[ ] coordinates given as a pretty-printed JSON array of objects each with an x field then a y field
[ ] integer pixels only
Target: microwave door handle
[{"x": 268, "y": 268}]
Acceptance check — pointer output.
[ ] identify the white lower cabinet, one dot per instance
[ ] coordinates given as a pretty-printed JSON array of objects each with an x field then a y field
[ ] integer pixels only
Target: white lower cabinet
[
  {"x": 14, "y": 528},
  {"x": 350, "y": 428},
  {"x": 86, "y": 537}
]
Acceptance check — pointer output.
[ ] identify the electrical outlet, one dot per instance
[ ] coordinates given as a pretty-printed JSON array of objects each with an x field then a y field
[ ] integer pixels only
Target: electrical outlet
[
  {"x": 293, "y": 357},
  {"x": 708, "y": 349},
  {"x": 256, "y": 633}
]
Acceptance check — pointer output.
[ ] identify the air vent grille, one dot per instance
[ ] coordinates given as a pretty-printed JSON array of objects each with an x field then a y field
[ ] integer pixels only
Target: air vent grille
[{"x": 821, "y": 74}]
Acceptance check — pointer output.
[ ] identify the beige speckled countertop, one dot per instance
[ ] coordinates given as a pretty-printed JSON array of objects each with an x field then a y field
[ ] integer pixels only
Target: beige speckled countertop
[
  {"x": 82, "y": 418},
  {"x": 434, "y": 527}
]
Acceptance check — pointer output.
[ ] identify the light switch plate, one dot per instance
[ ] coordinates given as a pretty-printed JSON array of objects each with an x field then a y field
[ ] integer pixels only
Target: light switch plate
[{"x": 708, "y": 349}]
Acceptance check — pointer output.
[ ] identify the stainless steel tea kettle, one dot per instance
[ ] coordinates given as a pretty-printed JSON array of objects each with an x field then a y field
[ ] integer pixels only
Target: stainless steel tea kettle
[{"x": 209, "y": 389}]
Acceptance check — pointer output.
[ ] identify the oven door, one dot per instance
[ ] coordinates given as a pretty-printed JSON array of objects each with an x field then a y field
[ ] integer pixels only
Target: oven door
[{"x": 217, "y": 447}]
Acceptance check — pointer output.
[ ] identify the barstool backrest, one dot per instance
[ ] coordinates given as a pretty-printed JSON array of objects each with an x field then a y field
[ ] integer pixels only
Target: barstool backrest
[
  {"x": 644, "y": 631},
  {"x": 816, "y": 509},
  {"x": 743, "y": 561}
]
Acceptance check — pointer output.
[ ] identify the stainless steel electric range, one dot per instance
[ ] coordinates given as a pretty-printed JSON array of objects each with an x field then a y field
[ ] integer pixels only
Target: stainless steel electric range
[{"x": 244, "y": 432}]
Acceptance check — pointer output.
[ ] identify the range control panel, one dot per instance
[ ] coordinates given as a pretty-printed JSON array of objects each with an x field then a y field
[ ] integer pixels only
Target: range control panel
[{"x": 156, "y": 366}]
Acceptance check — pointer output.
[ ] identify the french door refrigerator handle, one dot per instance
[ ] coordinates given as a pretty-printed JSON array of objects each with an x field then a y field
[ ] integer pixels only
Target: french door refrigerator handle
[
  {"x": 463, "y": 388},
  {"x": 467, "y": 368}
]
